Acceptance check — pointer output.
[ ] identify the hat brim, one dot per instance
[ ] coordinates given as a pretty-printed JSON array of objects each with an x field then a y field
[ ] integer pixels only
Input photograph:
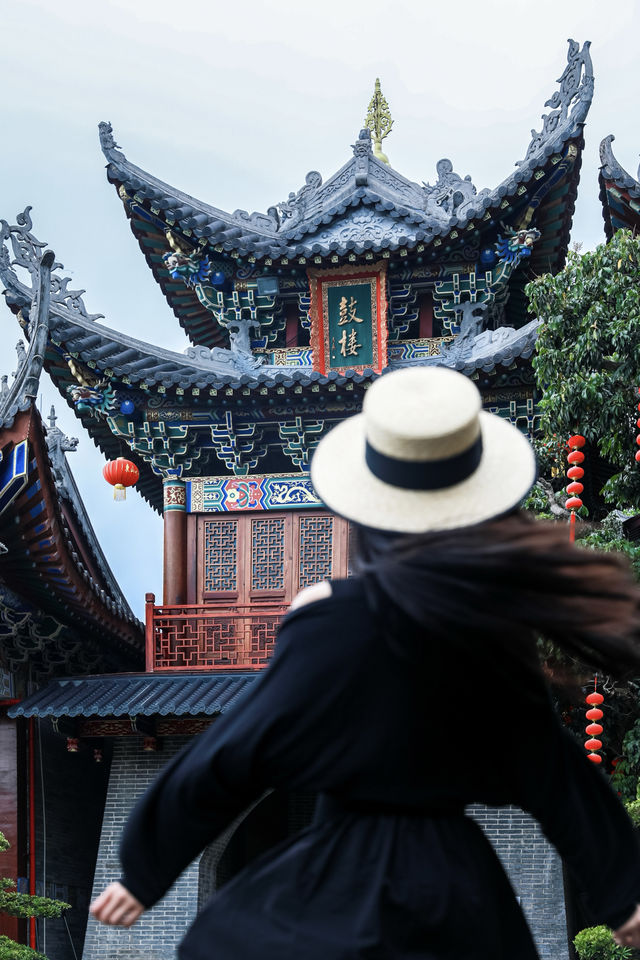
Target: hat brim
[{"x": 344, "y": 482}]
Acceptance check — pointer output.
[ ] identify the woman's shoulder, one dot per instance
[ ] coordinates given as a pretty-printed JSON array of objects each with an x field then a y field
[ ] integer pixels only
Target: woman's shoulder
[
  {"x": 316, "y": 591},
  {"x": 317, "y": 594}
]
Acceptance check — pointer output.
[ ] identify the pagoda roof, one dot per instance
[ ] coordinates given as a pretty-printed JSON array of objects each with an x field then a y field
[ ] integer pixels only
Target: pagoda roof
[
  {"x": 75, "y": 346},
  {"x": 366, "y": 207},
  {"x": 619, "y": 192}
]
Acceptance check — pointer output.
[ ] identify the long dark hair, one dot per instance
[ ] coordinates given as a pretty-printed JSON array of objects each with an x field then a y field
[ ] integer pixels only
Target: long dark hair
[{"x": 508, "y": 579}]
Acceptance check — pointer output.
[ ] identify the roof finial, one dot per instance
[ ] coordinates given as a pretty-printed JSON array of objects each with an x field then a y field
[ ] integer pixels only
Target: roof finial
[
  {"x": 379, "y": 121},
  {"x": 52, "y": 417}
]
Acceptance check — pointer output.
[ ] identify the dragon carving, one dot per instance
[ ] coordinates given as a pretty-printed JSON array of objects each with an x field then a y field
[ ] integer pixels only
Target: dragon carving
[
  {"x": 516, "y": 245},
  {"x": 98, "y": 400}
]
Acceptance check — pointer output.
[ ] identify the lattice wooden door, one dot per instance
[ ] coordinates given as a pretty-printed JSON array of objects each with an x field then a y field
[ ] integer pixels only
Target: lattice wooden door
[{"x": 257, "y": 558}]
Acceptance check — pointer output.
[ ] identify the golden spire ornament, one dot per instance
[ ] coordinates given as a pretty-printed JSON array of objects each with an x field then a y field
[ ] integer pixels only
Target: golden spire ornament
[{"x": 379, "y": 121}]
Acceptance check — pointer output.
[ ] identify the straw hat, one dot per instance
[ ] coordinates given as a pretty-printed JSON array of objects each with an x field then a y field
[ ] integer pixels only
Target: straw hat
[{"x": 422, "y": 456}]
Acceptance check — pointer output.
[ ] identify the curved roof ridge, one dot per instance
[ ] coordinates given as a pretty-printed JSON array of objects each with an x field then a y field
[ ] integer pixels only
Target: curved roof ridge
[
  {"x": 611, "y": 169},
  {"x": 152, "y": 188}
]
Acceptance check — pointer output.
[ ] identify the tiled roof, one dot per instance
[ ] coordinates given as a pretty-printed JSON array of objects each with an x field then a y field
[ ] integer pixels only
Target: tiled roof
[
  {"x": 130, "y": 695},
  {"x": 619, "y": 192},
  {"x": 392, "y": 212}
]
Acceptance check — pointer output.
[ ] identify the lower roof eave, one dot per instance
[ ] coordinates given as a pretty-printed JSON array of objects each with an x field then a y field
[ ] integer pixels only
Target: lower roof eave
[{"x": 136, "y": 695}]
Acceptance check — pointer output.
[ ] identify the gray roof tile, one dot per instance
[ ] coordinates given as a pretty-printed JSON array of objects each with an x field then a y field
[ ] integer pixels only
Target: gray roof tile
[{"x": 180, "y": 695}]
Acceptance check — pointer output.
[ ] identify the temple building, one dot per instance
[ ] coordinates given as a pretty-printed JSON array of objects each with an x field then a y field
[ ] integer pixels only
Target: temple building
[{"x": 291, "y": 315}]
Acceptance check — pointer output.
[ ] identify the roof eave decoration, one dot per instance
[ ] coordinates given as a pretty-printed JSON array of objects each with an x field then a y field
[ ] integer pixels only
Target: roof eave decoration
[
  {"x": 34, "y": 304},
  {"x": 320, "y": 219},
  {"x": 619, "y": 192}
]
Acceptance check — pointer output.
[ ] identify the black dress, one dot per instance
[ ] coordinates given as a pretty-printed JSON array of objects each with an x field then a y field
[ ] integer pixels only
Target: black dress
[{"x": 396, "y": 736}]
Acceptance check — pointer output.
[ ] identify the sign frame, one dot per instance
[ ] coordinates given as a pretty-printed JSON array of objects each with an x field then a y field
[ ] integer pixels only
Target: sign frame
[{"x": 320, "y": 281}]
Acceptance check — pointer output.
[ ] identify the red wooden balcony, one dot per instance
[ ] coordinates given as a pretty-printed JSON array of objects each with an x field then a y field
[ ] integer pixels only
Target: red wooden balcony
[{"x": 205, "y": 637}]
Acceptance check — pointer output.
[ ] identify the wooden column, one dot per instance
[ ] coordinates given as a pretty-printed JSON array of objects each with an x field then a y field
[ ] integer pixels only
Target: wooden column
[
  {"x": 13, "y": 807},
  {"x": 175, "y": 542}
]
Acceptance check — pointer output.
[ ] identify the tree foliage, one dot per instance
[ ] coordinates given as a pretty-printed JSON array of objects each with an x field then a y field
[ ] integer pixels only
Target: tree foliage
[{"x": 587, "y": 359}]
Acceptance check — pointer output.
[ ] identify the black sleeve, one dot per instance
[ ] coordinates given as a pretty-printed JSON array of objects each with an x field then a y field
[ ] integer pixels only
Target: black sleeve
[
  {"x": 581, "y": 816},
  {"x": 282, "y": 734}
]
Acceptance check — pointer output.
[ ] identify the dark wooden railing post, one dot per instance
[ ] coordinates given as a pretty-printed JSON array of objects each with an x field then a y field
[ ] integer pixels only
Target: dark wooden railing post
[{"x": 149, "y": 604}]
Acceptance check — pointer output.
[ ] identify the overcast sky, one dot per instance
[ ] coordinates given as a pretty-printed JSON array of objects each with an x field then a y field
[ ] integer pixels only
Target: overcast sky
[{"x": 235, "y": 102}]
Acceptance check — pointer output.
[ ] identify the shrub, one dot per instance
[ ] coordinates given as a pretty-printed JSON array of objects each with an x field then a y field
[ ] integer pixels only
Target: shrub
[
  {"x": 23, "y": 905},
  {"x": 597, "y": 943}
]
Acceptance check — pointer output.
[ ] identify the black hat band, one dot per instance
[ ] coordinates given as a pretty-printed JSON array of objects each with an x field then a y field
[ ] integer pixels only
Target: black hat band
[{"x": 424, "y": 474}]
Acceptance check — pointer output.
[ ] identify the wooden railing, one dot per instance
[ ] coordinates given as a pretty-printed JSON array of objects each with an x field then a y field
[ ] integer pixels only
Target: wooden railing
[{"x": 201, "y": 637}]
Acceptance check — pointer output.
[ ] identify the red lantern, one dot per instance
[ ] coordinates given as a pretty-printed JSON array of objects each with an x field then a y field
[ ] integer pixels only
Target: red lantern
[
  {"x": 594, "y": 729},
  {"x": 574, "y": 473},
  {"x": 120, "y": 473}
]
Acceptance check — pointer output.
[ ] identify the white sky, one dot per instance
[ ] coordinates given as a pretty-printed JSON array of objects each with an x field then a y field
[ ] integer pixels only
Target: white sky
[{"x": 235, "y": 102}]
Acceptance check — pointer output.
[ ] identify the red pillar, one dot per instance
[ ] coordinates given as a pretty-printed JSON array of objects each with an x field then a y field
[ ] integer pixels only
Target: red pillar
[
  {"x": 175, "y": 542},
  {"x": 13, "y": 863}
]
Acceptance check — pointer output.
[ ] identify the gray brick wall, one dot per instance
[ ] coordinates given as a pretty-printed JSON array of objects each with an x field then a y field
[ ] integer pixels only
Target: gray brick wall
[
  {"x": 535, "y": 871},
  {"x": 73, "y": 791},
  {"x": 157, "y": 934}
]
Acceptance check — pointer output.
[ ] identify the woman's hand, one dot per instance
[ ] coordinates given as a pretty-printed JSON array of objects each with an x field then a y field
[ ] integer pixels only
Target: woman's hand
[
  {"x": 116, "y": 906},
  {"x": 628, "y": 935}
]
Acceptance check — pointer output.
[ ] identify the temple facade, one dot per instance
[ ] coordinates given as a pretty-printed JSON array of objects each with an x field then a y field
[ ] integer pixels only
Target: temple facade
[{"x": 291, "y": 315}]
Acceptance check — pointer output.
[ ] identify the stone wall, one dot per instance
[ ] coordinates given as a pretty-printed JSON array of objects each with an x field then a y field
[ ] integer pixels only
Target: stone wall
[
  {"x": 158, "y": 932},
  {"x": 535, "y": 871}
]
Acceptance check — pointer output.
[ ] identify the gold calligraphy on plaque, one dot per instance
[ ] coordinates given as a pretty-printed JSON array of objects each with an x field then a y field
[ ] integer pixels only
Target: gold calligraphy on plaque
[
  {"x": 349, "y": 346},
  {"x": 348, "y": 311}
]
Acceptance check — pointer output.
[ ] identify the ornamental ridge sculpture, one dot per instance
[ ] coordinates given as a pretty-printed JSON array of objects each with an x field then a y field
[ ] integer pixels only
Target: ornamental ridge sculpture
[
  {"x": 27, "y": 253},
  {"x": 569, "y": 104},
  {"x": 379, "y": 121}
]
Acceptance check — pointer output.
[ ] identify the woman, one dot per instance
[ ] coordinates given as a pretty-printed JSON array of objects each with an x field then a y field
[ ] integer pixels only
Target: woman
[{"x": 378, "y": 693}]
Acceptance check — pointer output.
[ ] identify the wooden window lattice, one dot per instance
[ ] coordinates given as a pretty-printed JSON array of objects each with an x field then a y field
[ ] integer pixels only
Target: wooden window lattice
[
  {"x": 267, "y": 553},
  {"x": 315, "y": 556},
  {"x": 220, "y": 556}
]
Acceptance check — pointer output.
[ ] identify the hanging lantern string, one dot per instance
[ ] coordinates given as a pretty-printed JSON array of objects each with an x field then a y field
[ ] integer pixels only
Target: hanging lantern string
[
  {"x": 594, "y": 728},
  {"x": 575, "y": 474}
]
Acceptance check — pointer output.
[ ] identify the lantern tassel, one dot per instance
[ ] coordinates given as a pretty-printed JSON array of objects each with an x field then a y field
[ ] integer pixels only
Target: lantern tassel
[{"x": 119, "y": 492}]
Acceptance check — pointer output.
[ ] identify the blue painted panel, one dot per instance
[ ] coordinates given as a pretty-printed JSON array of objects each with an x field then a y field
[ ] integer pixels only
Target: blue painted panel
[{"x": 13, "y": 475}]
